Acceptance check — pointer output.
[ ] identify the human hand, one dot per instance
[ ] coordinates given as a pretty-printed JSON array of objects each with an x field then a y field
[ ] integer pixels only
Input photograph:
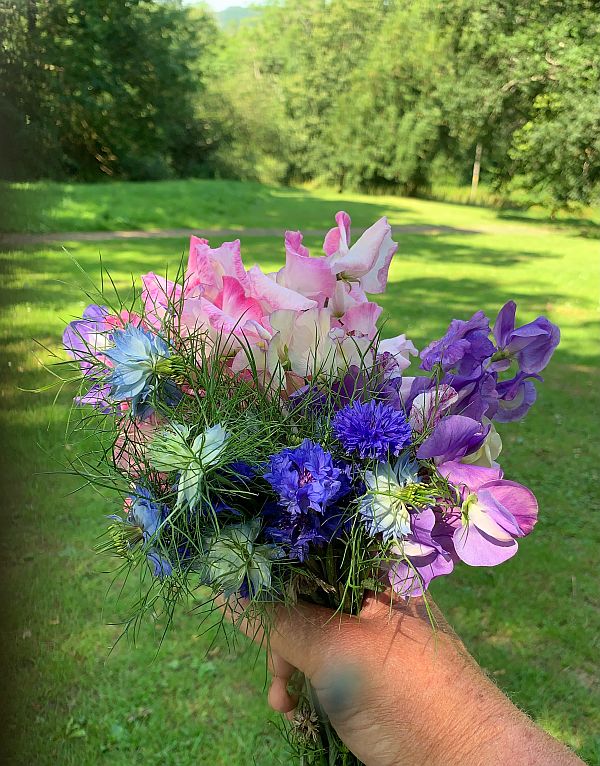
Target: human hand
[{"x": 399, "y": 692}]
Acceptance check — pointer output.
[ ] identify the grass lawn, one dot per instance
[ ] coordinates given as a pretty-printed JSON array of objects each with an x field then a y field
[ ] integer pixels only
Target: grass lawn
[
  {"x": 49, "y": 207},
  {"x": 533, "y": 623}
]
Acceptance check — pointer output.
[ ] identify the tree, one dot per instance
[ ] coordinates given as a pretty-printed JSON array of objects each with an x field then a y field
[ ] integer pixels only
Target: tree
[{"x": 115, "y": 81}]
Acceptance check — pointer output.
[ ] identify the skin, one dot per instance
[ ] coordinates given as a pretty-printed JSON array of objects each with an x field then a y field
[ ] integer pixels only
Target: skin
[{"x": 397, "y": 692}]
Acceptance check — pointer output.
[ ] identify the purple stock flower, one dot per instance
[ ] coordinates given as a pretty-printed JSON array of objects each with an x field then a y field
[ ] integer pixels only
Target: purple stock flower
[
  {"x": 426, "y": 552},
  {"x": 465, "y": 346},
  {"x": 452, "y": 438},
  {"x": 531, "y": 345},
  {"x": 371, "y": 430},
  {"x": 492, "y": 514}
]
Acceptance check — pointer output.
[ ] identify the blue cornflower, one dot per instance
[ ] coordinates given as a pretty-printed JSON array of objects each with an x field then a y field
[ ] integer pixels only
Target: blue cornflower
[
  {"x": 372, "y": 429},
  {"x": 308, "y": 484},
  {"x": 136, "y": 356},
  {"x": 297, "y": 533},
  {"x": 304, "y": 477}
]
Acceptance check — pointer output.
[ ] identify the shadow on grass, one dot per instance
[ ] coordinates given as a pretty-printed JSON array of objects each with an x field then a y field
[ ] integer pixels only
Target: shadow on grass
[
  {"x": 172, "y": 204},
  {"x": 581, "y": 227},
  {"x": 28, "y": 209}
]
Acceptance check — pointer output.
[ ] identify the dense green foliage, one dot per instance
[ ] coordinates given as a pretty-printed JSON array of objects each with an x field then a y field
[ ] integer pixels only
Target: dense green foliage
[
  {"x": 105, "y": 88},
  {"x": 533, "y": 622},
  {"x": 363, "y": 94}
]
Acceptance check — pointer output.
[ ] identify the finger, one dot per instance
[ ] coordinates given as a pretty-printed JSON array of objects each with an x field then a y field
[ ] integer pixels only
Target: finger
[
  {"x": 297, "y": 634},
  {"x": 279, "y": 697},
  {"x": 278, "y": 666}
]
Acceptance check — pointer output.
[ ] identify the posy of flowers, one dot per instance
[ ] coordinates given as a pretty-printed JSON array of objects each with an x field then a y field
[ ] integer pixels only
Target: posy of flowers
[{"x": 270, "y": 445}]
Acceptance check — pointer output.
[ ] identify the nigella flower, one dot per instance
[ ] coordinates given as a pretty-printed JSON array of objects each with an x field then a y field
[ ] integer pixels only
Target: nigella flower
[
  {"x": 392, "y": 493},
  {"x": 144, "y": 513},
  {"x": 174, "y": 450},
  {"x": 372, "y": 429},
  {"x": 136, "y": 357},
  {"x": 236, "y": 563},
  {"x": 141, "y": 526},
  {"x": 304, "y": 478}
]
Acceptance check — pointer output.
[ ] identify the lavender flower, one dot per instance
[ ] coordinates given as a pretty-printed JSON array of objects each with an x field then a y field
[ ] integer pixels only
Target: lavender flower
[
  {"x": 425, "y": 553},
  {"x": 84, "y": 339},
  {"x": 372, "y": 430},
  {"x": 515, "y": 397},
  {"x": 531, "y": 345},
  {"x": 452, "y": 438}
]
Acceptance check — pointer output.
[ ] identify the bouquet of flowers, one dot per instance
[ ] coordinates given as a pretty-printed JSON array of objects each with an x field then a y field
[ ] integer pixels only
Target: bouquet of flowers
[{"x": 269, "y": 445}]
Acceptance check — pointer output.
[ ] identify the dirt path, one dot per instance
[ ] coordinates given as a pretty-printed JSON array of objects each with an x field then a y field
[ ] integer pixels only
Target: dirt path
[{"x": 22, "y": 240}]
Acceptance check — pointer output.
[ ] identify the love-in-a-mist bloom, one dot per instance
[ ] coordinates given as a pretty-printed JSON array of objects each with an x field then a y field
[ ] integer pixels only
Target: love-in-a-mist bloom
[
  {"x": 392, "y": 493},
  {"x": 136, "y": 357},
  {"x": 174, "y": 449},
  {"x": 236, "y": 563}
]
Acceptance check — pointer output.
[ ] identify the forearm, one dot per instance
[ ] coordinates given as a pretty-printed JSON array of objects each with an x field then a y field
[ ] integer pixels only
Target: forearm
[
  {"x": 415, "y": 697},
  {"x": 455, "y": 714}
]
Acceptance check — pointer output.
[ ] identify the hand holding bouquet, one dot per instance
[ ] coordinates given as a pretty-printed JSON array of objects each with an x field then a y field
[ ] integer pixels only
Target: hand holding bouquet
[{"x": 270, "y": 445}]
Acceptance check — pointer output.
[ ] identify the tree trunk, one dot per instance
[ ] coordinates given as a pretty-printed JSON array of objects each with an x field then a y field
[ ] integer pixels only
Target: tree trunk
[{"x": 475, "y": 178}]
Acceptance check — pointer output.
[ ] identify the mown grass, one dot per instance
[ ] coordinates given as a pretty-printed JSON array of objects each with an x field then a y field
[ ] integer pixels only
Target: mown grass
[
  {"x": 533, "y": 623},
  {"x": 51, "y": 207}
]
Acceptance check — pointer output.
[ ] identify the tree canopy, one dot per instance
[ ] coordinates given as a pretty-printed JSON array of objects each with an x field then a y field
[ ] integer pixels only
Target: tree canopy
[{"x": 365, "y": 94}]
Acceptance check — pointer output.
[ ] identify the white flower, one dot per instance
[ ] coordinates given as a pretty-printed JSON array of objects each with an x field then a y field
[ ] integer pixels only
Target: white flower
[
  {"x": 234, "y": 558},
  {"x": 171, "y": 451},
  {"x": 391, "y": 492}
]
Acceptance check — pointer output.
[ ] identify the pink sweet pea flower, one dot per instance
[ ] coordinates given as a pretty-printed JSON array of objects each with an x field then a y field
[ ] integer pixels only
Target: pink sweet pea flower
[
  {"x": 368, "y": 260},
  {"x": 428, "y": 407},
  {"x": 161, "y": 297},
  {"x": 207, "y": 266},
  {"x": 273, "y": 296},
  {"x": 311, "y": 277},
  {"x": 361, "y": 320},
  {"x": 346, "y": 295},
  {"x": 396, "y": 352},
  {"x": 301, "y": 342}
]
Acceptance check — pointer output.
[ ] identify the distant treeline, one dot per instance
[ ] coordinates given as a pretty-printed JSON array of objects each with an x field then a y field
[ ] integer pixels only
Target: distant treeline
[{"x": 364, "y": 94}]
